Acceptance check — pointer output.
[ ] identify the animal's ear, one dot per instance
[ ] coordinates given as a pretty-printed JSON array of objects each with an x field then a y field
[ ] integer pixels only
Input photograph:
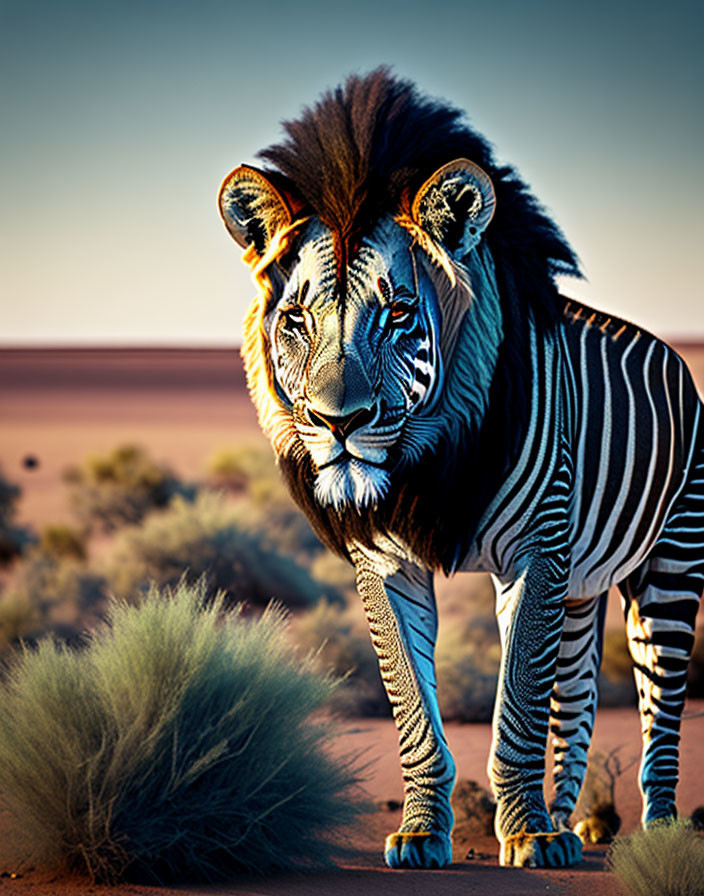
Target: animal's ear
[
  {"x": 455, "y": 206},
  {"x": 252, "y": 208}
]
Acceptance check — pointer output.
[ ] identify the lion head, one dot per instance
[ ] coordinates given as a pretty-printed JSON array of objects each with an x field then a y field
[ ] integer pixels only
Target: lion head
[{"x": 380, "y": 322}]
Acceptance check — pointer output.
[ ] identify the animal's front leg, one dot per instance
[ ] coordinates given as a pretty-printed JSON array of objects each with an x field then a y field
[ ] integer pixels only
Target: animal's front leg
[
  {"x": 400, "y": 607},
  {"x": 530, "y": 613}
]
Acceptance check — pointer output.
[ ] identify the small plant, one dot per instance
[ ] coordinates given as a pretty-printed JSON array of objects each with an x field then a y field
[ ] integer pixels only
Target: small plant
[
  {"x": 111, "y": 490},
  {"x": 178, "y": 744},
  {"x": 209, "y": 538},
  {"x": 667, "y": 859}
]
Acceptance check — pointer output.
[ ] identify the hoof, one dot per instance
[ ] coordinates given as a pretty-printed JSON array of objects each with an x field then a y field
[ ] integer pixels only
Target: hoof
[
  {"x": 418, "y": 850},
  {"x": 556, "y": 850}
]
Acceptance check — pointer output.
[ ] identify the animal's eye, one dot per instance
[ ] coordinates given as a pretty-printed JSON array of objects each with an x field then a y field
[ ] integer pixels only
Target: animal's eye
[
  {"x": 400, "y": 313},
  {"x": 294, "y": 319}
]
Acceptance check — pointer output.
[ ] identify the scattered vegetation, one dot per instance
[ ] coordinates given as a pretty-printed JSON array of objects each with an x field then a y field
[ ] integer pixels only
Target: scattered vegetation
[
  {"x": 59, "y": 540},
  {"x": 178, "y": 745},
  {"x": 111, "y": 490},
  {"x": 49, "y": 594},
  {"x": 341, "y": 646},
  {"x": 246, "y": 468},
  {"x": 13, "y": 538},
  {"x": 667, "y": 859},
  {"x": 214, "y": 539}
]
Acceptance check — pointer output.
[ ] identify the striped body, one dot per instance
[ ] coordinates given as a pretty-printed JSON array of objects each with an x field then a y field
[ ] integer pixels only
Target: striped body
[{"x": 434, "y": 404}]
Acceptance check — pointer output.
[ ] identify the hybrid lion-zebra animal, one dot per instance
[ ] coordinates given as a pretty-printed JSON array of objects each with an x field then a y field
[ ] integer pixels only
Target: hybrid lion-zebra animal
[{"x": 435, "y": 404}]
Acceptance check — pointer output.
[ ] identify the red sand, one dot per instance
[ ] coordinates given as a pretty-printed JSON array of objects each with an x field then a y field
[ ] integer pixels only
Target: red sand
[{"x": 183, "y": 405}]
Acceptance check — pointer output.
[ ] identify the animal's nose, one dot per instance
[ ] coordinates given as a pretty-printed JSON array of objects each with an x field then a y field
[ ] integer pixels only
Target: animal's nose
[{"x": 342, "y": 427}]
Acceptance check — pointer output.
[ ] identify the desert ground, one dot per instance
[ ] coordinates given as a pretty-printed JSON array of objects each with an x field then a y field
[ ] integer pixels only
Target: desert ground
[{"x": 58, "y": 405}]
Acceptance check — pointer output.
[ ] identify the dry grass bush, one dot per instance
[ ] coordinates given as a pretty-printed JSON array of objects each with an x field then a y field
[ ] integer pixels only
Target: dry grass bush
[
  {"x": 109, "y": 491},
  {"x": 341, "y": 646},
  {"x": 178, "y": 745},
  {"x": 667, "y": 859},
  {"x": 214, "y": 539}
]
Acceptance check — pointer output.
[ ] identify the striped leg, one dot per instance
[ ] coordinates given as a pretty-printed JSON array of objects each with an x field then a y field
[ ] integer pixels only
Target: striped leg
[
  {"x": 662, "y": 598},
  {"x": 530, "y": 614},
  {"x": 400, "y": 607},
  {"x": 573, "y": 701}
]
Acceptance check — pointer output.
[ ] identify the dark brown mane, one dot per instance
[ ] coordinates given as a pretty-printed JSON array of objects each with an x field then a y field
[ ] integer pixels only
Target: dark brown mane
[
  {"x": 353, "y": 155},
  {"x": 351, "y": 159}
]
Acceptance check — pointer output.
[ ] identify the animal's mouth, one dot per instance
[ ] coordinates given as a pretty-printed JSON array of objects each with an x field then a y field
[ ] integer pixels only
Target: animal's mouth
[{"x": 344, "y": 456}]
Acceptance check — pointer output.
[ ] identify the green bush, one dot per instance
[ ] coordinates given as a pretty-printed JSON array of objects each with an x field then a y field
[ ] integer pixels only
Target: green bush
[
  {"x": 667, "y": 859},
  {"x": 13, "y": 538},
  {"x": 178, "y": 745},
  {"x": 342, "y": 647},
  {"x": 112, "y": 490},
  {"x": 209, "y": 538}
]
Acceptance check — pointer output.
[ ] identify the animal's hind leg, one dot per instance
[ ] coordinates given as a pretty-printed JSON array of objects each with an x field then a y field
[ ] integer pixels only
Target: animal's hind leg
[
  {"x": 662, "y": 597},
  {"x": 573, "y": 701}
]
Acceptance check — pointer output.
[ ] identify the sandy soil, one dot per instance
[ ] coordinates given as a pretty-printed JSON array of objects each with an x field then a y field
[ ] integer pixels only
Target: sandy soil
[{"x": 182, "y": 405}]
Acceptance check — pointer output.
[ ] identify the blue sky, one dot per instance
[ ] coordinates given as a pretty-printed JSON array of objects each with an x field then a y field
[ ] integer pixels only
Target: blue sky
[{"x": 120, "y": 119}]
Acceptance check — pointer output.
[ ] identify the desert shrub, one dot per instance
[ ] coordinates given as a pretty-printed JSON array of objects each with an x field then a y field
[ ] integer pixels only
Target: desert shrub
[
  {"x": 59, "y": 540},
  {"x": 245, "y": 467},
  {"x": 210, "y": 538},
  {"x": 467, "y": 660},
  {"x": 112, "y": 490},
  {"x": 251, "y": 470},
  {"x": 178, "y": 745},
  {"x": 667, "y": 859},
  {"x": 50, "y": 595},
  {"x": 13, "y": 538},
  {"x": 341, "y": 646}
]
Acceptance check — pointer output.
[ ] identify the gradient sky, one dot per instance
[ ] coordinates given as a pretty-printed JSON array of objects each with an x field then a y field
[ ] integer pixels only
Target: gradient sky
[{"x": 120, "y": 119}]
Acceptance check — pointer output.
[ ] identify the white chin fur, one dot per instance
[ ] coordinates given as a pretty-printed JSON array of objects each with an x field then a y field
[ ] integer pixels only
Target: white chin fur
[{"x": 351, "y": 482}]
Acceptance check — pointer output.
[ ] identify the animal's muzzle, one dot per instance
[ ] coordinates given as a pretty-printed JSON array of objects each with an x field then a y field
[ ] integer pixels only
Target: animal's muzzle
[{"x": 342, "y": 427}]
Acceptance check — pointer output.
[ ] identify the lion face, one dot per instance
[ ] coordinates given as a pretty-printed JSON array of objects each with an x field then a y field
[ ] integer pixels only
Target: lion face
[
  {"x": 343, "y": 357},
  {"x": 353, "y": 356}
]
